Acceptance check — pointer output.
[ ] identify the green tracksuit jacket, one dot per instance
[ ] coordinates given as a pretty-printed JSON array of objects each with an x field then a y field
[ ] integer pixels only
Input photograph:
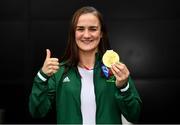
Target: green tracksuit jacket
[{"x": 110, "y": 101}]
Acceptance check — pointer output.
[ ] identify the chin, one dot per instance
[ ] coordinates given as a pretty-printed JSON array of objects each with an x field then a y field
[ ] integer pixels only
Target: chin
[{"x": 88, "y": 49}]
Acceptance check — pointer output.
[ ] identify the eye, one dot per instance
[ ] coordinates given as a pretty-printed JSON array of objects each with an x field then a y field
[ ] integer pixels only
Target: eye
[
  {"x": 79, "y": 29},
  {"x": 92, "y": 29}
]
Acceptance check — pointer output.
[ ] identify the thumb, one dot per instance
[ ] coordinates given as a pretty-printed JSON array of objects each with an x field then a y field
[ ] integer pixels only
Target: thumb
[{"x": 48, "y": 53}]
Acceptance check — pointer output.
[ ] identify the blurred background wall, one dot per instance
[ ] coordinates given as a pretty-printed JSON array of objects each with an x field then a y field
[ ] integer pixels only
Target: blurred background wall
[{"x": 144, "y": 33}]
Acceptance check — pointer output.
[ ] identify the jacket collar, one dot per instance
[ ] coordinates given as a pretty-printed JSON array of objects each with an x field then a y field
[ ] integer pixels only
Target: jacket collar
[{"x": 97, "y": 64}]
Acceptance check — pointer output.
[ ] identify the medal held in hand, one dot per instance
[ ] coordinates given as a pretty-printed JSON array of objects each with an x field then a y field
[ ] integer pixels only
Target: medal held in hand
[{"x": 109, "y": 58}]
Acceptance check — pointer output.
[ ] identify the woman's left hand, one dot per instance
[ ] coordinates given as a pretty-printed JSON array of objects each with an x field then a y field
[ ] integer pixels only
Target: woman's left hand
[{"x": 121, "y": 73}]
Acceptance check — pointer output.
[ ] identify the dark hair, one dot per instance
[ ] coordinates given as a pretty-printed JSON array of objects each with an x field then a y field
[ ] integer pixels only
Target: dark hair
[{"x": 71, "y": 56}]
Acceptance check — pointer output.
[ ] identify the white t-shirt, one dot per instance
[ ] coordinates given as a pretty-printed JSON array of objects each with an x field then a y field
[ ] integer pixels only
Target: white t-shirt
[{"x": 88, "y": 102}]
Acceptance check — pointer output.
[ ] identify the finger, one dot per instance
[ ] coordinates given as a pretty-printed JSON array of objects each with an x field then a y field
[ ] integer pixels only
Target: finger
[
  {"x": 50, "y": 71},
  {"x": 113, "y": 71},
  {"x": 48, "y": 53},
  {"x": 116, "y": 70},
  {"x": 54, "y": 71},
  {"x": 50, "y": 63},
  {"x": 52, "y": 67},
  {"x": 54, "y": 59},
  {"x": 122, "y": 67},
  {"x": 118, "y": 78},
  {"x": 55, "y": 67}
]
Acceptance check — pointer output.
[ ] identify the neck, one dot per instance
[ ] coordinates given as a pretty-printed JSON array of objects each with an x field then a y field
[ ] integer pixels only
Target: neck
[{"x": 87, "y": 60}]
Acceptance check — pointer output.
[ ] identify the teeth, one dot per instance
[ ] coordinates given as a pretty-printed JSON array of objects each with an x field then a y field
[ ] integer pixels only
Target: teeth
[{"x": 87, "y": 41}]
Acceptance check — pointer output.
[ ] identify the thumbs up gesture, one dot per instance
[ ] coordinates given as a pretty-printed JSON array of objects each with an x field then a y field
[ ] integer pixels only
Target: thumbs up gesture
[{"x": 51, "y": 65}]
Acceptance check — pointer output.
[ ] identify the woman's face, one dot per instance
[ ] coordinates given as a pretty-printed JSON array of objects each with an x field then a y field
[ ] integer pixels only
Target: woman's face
[{"x": 88, "y": 33}]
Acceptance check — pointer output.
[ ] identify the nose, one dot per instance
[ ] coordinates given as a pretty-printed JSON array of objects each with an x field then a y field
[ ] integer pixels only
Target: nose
[{"x": 86, "y": 34}]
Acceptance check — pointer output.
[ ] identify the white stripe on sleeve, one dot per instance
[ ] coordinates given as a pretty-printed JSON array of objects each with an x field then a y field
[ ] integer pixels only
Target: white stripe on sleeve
[
  {"x": 125, "y": 89},
  {"x": 41, "y": 77}
]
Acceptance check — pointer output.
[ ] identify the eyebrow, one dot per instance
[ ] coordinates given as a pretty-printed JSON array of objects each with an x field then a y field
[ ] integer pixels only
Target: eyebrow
[{"x": 88, "y": 27}]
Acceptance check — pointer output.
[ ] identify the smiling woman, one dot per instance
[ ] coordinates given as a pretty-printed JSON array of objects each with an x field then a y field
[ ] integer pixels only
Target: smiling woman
[
  {"x": 88, "y": 33},
  {"x": 77, "y": 84}
]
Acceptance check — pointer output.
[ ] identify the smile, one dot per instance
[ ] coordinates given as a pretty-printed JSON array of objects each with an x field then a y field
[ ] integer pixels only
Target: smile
[{"x": 87, "y": 41}]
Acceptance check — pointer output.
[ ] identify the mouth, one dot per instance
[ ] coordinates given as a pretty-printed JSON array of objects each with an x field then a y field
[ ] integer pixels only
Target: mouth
[{"x": 87, "y": 41}]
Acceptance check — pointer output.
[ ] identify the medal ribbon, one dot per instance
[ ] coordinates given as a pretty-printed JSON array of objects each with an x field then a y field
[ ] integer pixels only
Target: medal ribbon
[{"x": 105, "y": 70}]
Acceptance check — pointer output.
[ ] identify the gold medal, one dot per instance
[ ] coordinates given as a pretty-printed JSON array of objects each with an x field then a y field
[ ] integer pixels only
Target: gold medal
[{"x": 110, "y": 57}]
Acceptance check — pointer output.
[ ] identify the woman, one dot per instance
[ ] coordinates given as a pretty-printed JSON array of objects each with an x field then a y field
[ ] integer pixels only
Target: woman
[{"x": 78, "y": 85}]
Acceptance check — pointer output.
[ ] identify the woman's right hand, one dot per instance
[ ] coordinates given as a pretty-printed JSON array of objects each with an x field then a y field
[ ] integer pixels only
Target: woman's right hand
[{"x": 51, "y": 65}]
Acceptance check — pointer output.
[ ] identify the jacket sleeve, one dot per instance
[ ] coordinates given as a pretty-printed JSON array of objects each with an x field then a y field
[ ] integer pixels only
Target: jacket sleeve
[
  {"x": 129, "y": 102},
  {"x": 42, "y": 94}
]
